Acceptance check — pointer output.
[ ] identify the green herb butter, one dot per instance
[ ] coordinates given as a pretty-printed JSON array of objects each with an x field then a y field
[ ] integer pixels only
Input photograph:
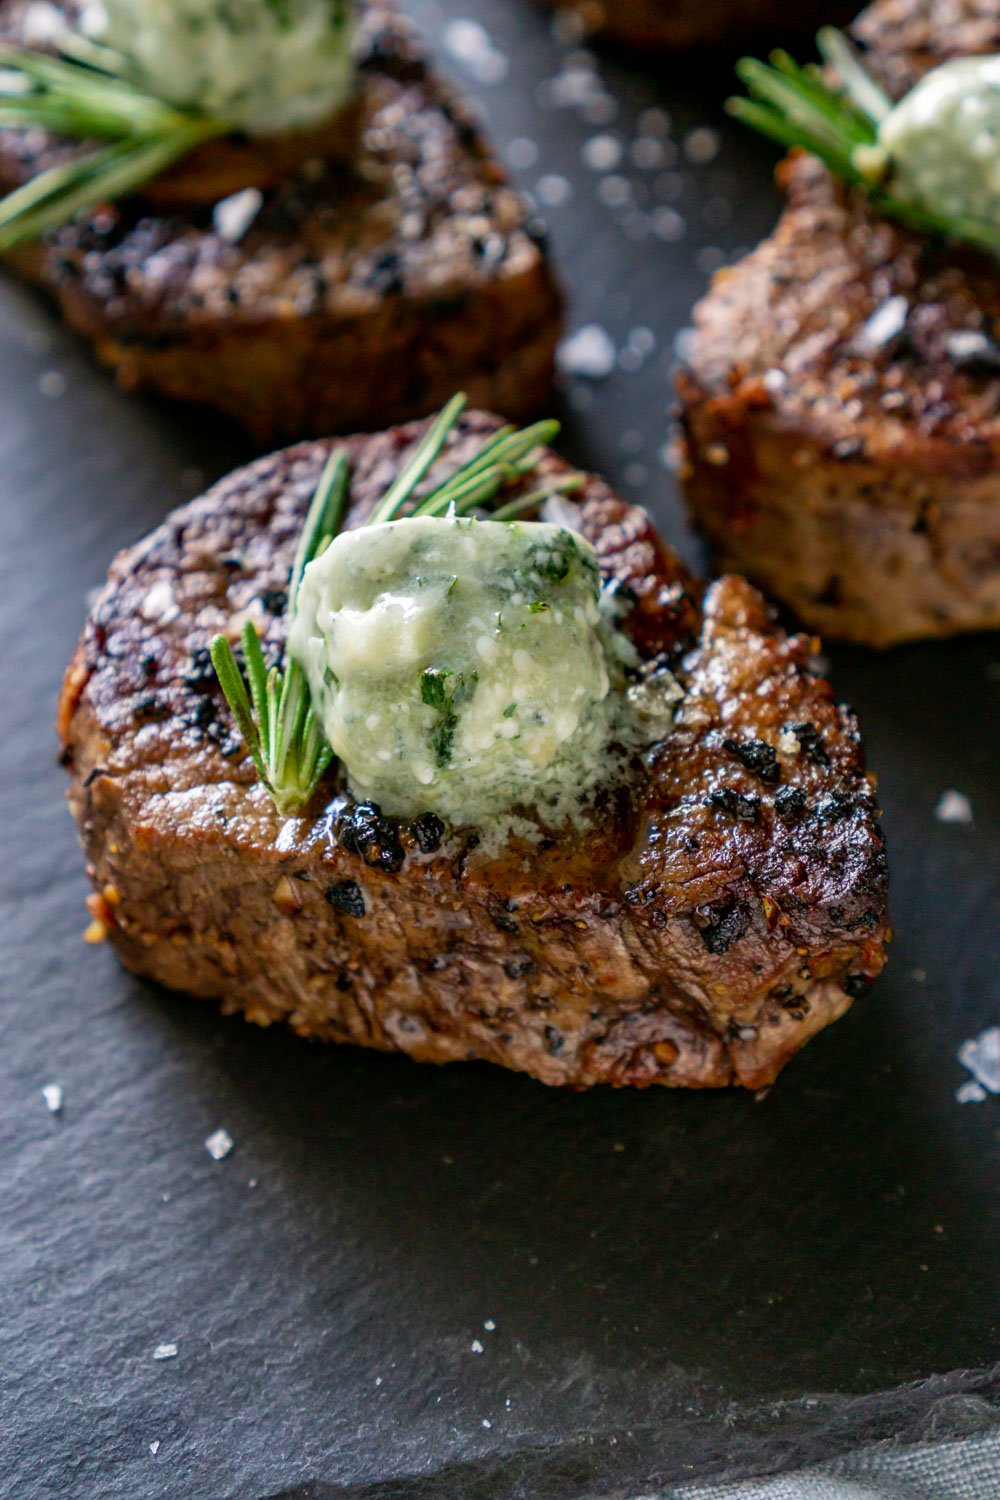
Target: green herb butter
[
  {"x": 462, "y": 666},
  {"x": 943, "y": 140},
  {"x": 263, "y": 66}
]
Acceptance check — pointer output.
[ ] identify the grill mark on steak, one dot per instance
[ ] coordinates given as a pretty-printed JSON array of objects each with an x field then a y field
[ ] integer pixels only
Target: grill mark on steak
[
  {"x": 841, "y": 408},
  {"x": 672, "y": 943}
]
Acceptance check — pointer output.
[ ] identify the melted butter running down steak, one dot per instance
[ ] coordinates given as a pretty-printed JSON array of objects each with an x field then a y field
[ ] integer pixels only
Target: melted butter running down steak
[{"x": 707, "y": 925}]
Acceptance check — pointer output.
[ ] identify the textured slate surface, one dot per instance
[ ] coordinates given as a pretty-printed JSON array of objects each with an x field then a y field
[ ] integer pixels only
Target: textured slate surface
[{"x": 680, "y": 1285}]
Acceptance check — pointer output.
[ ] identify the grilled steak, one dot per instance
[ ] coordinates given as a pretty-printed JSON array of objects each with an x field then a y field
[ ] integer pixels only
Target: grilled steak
[
  {"x": 841, "y": 405},
  {"x": 674, "y": 24},
  {"x": 365, "y": 289},
  {"x": 713, "y": 919}
]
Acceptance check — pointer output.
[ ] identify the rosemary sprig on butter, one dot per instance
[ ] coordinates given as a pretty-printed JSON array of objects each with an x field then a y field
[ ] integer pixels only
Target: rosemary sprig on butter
[
  {"x": 928, "y": 161},
  {"x": 273, "y": 709}
]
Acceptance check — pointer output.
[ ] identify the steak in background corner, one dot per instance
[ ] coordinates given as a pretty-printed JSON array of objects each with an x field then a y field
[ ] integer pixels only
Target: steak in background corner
[
  {"x": 707, "y": 925},
  {"x": 362, "y": 292},
  {"x": 841, "y": 401},
  {"x": 677, "y": 24}
]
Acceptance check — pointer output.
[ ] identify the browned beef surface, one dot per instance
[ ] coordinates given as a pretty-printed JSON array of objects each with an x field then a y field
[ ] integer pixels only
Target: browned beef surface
[
  {"x": 714, "y": 917},
  {"x": 842, "y": 402},
  {"x": 384, "y": 271}
]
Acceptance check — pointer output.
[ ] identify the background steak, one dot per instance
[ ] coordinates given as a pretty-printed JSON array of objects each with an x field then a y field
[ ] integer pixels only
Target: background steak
[
  {"x": 841, "y": 405},
  {"x": 364, "y": 291}
]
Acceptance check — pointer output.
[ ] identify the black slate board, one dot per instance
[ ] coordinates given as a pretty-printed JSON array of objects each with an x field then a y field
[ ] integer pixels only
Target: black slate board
[{"x": 681, "y": 1285}]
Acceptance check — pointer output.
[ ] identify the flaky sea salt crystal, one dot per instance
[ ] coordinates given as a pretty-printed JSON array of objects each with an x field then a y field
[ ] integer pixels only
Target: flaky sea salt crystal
[
  {"x": 219, "y": 1144},
  {"x": 981, "y": 1055},
  {"x": 52, "y": 1093},
  {"x": 590, "y": 352},
  {"x": 476, "y": 1346},
  {"x": 953, "y": 807},
  {"x": 602, "y": 153},
  {"x": 233, "y": 216},
  {"x": 553, "y": 190},
  {"x": 165, "y": 1351},
  {"x": 471, "y": 45}
]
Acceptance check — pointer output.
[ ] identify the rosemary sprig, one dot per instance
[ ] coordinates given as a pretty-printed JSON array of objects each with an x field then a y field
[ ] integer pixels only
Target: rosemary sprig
[
  {"x": 277, "y": 720},
  {"x": 276, "y": 716},
  {"x": 839, "y": 122},
  {"x": 83, "y": 101}
]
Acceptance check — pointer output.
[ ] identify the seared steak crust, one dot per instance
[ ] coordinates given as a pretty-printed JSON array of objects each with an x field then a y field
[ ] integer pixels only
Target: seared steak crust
[
  {"x": 391, "y": 267},
  {"x": 674, "y": 24},
  {"x": 707, "y": 925},
  {"x": 841, "y": 405}
]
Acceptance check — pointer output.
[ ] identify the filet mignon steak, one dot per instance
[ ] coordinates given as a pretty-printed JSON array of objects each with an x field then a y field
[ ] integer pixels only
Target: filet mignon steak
[
  {"x": 841, "y": 404},
  {"x": 710, "y": 922},
  {"x": 390, "y": 266}
]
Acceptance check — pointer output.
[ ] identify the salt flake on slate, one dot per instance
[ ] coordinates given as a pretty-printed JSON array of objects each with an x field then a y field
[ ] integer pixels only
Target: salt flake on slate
[
  {"x": 553, "y": 190},
  {"x": 590, "y": 352},
  {"x": 476, "y": 1346},
  {"x": 219, "y": 1144},
  {"x": 953, "y": 807},
  {"x": 602, "y": 153},
  {"x": 165, "y": 1351},
  {"x": 489, "y": 1325},
  {"x": 52, "y": 1093},
  {"x": 154, "y": 1447},
  {"x": 471, "y": 45},
  {"x": 981, "y": 1055}
]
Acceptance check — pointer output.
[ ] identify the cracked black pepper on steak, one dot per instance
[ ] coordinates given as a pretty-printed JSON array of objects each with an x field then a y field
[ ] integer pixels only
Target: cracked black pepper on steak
[
  {"x": 841, "y": 405},
  {"x": 678, "y": 941},
  {"x": 391, "y": 267}
]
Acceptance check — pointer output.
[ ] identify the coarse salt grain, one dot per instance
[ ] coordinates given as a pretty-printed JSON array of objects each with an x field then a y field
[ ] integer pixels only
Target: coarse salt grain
[
  {"x": 953, "y": 807},
  {"x": 476, "y": 1346},
  {"x": 471, "y": 45},
  {"x": 981, "y": 1055},
  {"x": 52, "y": 1093},
  {"x": 219, "y": 1144},
  {"x": 165, "y": 1351},
  {"x": 590, "y": 353},
  {"x": 602, "y": 153},
  {"x": 233, "y": 216}
]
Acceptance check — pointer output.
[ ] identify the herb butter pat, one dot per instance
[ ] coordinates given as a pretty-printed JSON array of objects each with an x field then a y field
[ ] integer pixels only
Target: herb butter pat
[
  {"x": 462, "y": 666},
  {"x": 943, "y": 139},
  {"x": 263, "y": 66}
]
